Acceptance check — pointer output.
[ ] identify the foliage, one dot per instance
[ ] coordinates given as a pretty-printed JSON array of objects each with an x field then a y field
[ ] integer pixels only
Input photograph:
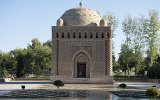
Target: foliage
[
  {"x": 122, "y": 85},
  {"x": 152, "y": 27},
  {"x": 142, "y": 38},
  {"x": 0, "y": 65},
  {"x": 48, "y": 43},
  {"x": 115, "y": 64},
  {"x": 154, "y": 70},
  {"x": 31, "y": 60},
  {"x": 23, "y": 87},
  {"x": 5, "y": 73},
  {"x": 128, "y": 59},
  {"x": 132, "y": 29},
  {"x": 19, "y": 54},
  {"x": 6, "y": 63},
  {"x": 58, "y": 83},
  {"x": 38, "y": 57},
  {"x": 153, "y": 92},
  {"x": 38, "y": 72},
  {"x": 112, "y": 21}
]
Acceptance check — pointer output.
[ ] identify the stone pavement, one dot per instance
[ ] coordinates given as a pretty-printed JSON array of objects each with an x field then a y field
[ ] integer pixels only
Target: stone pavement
[
  {"x": 46, "y": 85},
  {"x": 14, "y": 85},
  {"x": 97, "y": 90}
]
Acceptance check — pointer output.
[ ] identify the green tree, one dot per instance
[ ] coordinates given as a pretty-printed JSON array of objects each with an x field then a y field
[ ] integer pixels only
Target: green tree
[
  {"x": 132, "y": 28},
  {"x": 19, "y": 54},
  {"x": 34, "y": 57},
  {"x": 7, "y": 63},
  {"x": 127, "y": 59},
  {"x": 112, "y": 21},
  {"x": 38, "y": 57},
  {"x": 115, "y": 64},
  {"x": 5, "y": 73},
  {"x": 154, "y": 70},
  {"x": 124, "y": 58},
  {"x": 142, "y": 37},
  {"x": 48, "y": 43},
  {"x": 30, "y": 61},
  {"x": 1, "y": 65},
  {"x": 151, "y": 28}
]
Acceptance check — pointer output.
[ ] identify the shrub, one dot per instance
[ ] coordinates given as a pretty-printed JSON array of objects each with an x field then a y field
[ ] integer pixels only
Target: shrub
[
  {"x": 58, "y": 83},
  {"x": 23, "y": 87},
  {"x": 153, "y": 92},
  {"x": 122, "y": 85},
  {"x": 153, "y": 71}
]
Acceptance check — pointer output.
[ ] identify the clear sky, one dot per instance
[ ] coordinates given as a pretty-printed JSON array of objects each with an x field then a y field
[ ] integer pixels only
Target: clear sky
[{"x": 23, "y": 20}]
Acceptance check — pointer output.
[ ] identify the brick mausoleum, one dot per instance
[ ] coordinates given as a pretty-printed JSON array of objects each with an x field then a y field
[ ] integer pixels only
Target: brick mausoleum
[{"x": 82, "y": 48}]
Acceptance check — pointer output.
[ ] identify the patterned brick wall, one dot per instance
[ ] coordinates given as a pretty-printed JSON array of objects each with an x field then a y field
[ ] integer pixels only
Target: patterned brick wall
[{"x": 96, "y": 49}]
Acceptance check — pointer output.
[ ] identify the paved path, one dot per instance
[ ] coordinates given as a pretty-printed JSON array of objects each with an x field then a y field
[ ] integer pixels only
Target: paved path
[
  {"x": 99, "y": 92},
  {"x": 14, "y": 85}
]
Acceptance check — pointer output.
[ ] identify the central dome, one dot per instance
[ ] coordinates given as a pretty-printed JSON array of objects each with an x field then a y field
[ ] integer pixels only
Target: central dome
[{"x": 80, "y": 17}]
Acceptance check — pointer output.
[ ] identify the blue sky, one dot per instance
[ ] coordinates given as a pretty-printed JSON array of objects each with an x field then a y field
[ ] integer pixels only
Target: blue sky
[{"x": 23, "y": 20}]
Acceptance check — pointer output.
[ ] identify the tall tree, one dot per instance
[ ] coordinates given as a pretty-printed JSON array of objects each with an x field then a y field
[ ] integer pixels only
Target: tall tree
[
  {"x": 19, "y": 55},
  {"x": 142, "y": 37},
  {"x": 133, "y": 30},
  {"x": 38, "y": 56},
  {"x": 151, "y": 28},
  {"x": 7, "y": 64},
  {"x": 0, "y": 65},
  {"x": 125, "y": 59},
  {"x": 134, "y": 39},
  {"x": 112, "y": 21}
]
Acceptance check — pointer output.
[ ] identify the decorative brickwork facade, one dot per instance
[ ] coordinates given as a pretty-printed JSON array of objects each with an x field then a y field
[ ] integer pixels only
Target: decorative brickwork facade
[{"x": 82, "y": 48}]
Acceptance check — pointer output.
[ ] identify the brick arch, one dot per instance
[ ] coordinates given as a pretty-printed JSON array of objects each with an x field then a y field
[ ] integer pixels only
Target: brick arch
[
  {"x": 81, "y": 57},
  {"x": 82, "y": 51}
]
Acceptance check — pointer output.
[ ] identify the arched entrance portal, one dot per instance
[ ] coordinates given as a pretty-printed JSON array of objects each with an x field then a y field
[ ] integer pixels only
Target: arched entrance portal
[{"x": 81, "y": 66}]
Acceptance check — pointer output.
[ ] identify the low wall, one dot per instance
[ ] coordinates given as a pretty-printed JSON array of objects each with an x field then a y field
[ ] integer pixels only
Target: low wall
[
  {"x": 130, "y": 78},
  {"x": 104, "y": 80},
  {"x": 153, "y": 80}
]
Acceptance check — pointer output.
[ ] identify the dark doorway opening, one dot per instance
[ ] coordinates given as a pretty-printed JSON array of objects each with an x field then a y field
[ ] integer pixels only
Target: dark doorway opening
[{"x": 81, "y": 69}]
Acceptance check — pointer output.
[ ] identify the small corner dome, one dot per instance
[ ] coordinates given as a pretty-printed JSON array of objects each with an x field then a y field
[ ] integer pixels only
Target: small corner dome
[
  {"x": 81, "y": 17},
  {"x": 103, "y": 23},
  {"x": 60, "y": 22}
]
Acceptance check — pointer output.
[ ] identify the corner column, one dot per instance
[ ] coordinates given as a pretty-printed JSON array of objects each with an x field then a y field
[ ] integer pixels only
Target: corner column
[
  {"x": 109, "y": 53},
  {"x": 54, "y": 69}
]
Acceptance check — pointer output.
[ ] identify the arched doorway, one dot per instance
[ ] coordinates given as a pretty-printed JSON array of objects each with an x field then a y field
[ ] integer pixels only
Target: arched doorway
[
  {"x": 81, "y": 66},
  {"x": 81, "y": 69}
]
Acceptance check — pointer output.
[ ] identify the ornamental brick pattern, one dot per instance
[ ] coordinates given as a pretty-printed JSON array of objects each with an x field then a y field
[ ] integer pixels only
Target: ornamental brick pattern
[{"x": 77, "y": 43}]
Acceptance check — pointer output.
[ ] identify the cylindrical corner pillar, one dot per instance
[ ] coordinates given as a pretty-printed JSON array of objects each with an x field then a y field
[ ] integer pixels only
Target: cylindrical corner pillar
[{"x": 109, "y": 53}]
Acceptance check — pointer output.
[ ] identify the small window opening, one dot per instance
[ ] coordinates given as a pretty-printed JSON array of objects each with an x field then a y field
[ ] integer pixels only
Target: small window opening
[
  {"x": 91, "y": 35},
  {"x": 62, "y": 34},
  {"x": 85, "y": 35},
  {"x": 74, "y": 35}
]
